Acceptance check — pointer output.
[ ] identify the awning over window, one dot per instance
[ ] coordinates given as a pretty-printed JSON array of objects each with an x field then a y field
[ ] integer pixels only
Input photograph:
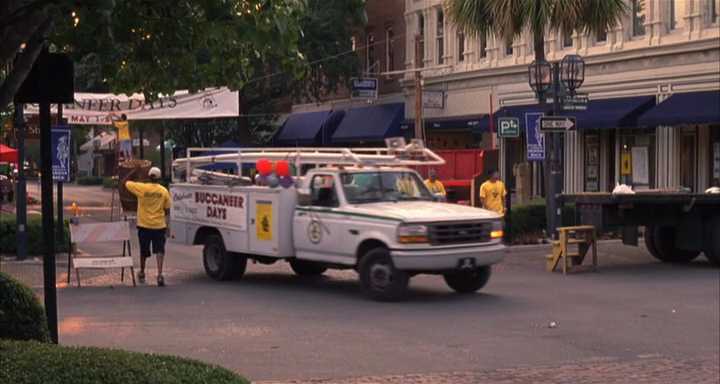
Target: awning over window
[
  {"x": 370, "y": 123},
  {"x": 600, "y": 114},
  {"x": 302, "y": 128},
  {"x": 685, "y": 108}
]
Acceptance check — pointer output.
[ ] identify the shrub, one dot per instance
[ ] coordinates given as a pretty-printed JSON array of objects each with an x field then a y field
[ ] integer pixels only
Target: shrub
[
  {"x": 529, "y": 219},
  {"x": 31, "y": 362},
  {"x": 35, "y": 242},
  {"x": 90, "y": 180},
  {"x": 21, "y": 315},
  {"x": 109, "y": 182}
]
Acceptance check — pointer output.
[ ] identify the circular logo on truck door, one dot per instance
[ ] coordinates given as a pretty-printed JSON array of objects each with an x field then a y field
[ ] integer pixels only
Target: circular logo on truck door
[{"x": 314, "y": 232}]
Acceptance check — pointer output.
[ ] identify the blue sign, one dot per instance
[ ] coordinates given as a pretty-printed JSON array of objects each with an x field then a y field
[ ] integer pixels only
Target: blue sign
[
  {"x": 535, "y": 138},
  {"x": 364, "y": 88},
  {"x": 60, "y": 142}
]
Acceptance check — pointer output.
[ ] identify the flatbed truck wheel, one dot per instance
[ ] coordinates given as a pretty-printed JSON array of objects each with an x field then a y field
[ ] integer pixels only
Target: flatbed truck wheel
[
  {"x": 664, "y": 241},
  {"x": 379, "y": 278},
  {"x": 650, "y": 242},
  {"x": 219, "y": 263},
  {"x": 307, "y": 268},
  {"x": 712, "y": 242},
  {"x": 468, "y": 281}
]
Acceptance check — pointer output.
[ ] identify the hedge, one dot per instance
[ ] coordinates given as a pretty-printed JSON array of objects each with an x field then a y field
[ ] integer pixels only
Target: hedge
[
  {"x": 109, "y": 182},
  {"x": 90, "y": 180},
  {"x": 23, "y": 362},
  {"x": 35, "y": 241},
  {"x": 22, "y": 317},
  {"x": 530, "y": 219}
]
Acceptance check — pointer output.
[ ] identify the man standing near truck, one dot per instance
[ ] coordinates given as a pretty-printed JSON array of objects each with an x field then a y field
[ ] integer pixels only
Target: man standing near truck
[
  {"x": 152, "y": 213},
  {"x": 435, "y": 186},
  {"x": 492, "y": 194}
]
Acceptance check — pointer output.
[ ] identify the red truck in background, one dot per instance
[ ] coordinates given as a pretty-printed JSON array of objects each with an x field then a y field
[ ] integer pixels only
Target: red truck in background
[{"x": 462, "y": 169}]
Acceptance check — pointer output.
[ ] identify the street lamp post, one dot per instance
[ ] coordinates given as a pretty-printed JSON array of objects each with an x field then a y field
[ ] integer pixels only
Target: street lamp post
[{"x": 543, "y": 76}]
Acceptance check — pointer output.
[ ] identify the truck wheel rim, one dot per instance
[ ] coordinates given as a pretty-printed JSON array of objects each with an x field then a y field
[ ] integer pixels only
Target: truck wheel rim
[
  {"x": 380, "y": 276},
  {"x": 213, "y": 258}
]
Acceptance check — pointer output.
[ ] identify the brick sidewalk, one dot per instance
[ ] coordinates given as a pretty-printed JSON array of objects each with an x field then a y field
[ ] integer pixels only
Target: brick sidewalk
[{"x": 648, "y": 370}]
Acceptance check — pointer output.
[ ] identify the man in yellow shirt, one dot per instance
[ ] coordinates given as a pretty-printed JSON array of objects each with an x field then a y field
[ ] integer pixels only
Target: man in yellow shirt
[
  {"x": 153, "y": 210},
  {"x": 492, "y": 194},
  {"x": 435, "y": 186},
  {"x": 123, "y": 136}
]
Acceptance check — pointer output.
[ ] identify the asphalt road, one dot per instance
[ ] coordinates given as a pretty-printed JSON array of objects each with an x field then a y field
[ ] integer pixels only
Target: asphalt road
[{"x": 272, "y": 325}]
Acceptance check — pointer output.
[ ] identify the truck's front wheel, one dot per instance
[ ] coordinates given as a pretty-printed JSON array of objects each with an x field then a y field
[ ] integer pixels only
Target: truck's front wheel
[
  {"x": 663, "y": 242},
  {"x": 307, "y": 268},
  {"x": 468, "y": 281},
  {"x": 379, "y": 278},
  {"x": 219, "y": 263}
]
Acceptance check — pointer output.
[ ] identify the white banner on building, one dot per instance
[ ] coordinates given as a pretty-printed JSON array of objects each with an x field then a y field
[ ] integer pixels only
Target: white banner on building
[
  {"x": 101, "y": 108},
  {"x": 213, "y": 207}
]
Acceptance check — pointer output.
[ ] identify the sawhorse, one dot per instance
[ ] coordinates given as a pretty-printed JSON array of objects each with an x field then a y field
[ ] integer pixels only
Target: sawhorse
[{"x": 583, "y": 236}]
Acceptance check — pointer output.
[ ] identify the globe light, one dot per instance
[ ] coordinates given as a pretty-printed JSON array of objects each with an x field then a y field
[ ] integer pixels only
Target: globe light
[
  {"x": 540, "y": 76},
  {"x": 572, "y": 72}
]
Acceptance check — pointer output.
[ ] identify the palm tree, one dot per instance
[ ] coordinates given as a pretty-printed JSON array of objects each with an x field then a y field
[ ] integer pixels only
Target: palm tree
[{"x": 510, "y": 18}]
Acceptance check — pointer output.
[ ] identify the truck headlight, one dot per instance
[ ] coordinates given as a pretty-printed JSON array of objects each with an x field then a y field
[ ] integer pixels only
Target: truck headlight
[
  {"x": 497, "y": 230},
  {"x": 412, "y": 234}
]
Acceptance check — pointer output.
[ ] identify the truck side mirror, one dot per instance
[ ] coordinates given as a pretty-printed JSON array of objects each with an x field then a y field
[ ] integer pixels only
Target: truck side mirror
[{"x": 304, "y": 198}]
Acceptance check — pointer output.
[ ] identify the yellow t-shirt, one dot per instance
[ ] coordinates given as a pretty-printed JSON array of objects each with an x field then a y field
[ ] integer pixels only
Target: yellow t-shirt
[
  {"x": 493, "y": 195},
  {"x": 123, "y": 130},
  {"x": 435, "y": 187},
  {"x": 153, "y": 200},
  {"x": 406, "y": 186}
]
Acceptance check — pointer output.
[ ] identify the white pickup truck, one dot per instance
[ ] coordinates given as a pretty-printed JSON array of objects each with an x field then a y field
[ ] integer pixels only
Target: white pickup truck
[{"x": 367, "y": 211}]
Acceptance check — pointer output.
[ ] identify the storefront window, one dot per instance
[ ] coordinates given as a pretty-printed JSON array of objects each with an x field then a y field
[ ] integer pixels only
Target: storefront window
[
  {"x": 715, "y": 156},
  {"x": 592, "y": 163},
  {"x": 637, "y": 158}
]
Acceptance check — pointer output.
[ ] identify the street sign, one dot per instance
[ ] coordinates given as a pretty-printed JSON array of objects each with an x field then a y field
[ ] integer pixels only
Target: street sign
[
  {"x": 557, "y": 124},
  {"x": 577, "y": 102},
  {"x": 535, "y": 138},
  {"x": 364, "y": 88},
  {"x": 508, "y": 127},
  {"x": 60, "y": 149}
]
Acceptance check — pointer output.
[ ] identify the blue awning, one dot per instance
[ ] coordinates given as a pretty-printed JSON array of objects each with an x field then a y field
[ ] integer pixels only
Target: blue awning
[
  {"x": 600, "y": 114},
  {"x": 302, "y": 128},
  {"x": 370, "y": 123},
  {"x": 477, "y": 124},
  {"x": 685, "y": 108}
]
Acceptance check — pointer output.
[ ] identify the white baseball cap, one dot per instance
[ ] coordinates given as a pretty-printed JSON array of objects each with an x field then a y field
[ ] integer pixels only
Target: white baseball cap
[{"x": 154, "y": 173}]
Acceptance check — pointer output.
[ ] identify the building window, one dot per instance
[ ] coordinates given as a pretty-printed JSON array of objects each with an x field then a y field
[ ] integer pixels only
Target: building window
[
  {"x": 440, "y": 37},
  {"x": 601, "y": 37},
  {"x": 677, "y": 13},
  {"x": 389, "y": 50},
  {"x": 461, "y": 45},
  {"x": 567, "y": 39},
  {"x": 509, "y": 46},
  {"x": 421, "y": 32},
  {"x": 370, "y": 46},
  {"x": 638, "y": 17},
  {"x": 483, "y": 46},
  {"x": 711, "y": 11}
]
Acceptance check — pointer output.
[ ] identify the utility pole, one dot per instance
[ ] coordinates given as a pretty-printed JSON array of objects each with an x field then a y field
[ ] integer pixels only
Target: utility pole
[
  {"x": 48, "y": 222},
  {"x": 554, "y": 163},
  {"x": 418, "y": 89},
  {"x": 21, "y": 193}
]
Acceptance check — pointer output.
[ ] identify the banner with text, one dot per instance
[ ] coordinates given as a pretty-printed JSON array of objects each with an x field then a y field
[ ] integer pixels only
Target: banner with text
[
  {"x": 60, "y": 142},
  {"x": 213, "y": 207}
]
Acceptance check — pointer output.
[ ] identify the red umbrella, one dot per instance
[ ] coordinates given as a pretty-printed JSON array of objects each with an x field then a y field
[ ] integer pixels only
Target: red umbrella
[{"x": 8, "y": 154}]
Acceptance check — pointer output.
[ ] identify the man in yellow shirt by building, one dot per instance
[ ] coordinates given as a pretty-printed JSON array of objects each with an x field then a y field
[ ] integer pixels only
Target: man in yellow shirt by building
[
  {"x": 152, "y": 213},
  {"x": 123, "y": 136},
  {"x": 492, "y": 194},
  {"x": 435, "y": 186}
]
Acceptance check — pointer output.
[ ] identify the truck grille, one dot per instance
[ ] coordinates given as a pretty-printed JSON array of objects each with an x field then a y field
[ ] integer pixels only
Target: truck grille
[{"x": 459, "y": 233}]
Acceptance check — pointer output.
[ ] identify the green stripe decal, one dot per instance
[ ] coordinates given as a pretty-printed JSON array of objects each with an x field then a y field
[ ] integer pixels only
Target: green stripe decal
[{"x": 325, "y": 210}]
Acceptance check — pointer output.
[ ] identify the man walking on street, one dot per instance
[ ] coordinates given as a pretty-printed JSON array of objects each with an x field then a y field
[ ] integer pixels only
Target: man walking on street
[
  {"x": 152, "y": 213},
  {"x": 492, "y": 194}
]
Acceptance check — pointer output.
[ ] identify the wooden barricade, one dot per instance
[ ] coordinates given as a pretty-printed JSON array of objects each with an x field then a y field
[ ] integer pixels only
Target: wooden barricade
[
  {"x": 118, "y": 231},
  {"x": 584, "y": 237}
]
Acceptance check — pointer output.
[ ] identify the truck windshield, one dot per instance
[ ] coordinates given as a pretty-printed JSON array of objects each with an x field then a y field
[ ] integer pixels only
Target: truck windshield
[{"x": 372, "y": 187}]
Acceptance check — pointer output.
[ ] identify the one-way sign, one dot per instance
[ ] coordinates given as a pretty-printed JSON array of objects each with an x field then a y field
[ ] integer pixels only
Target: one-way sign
[{"x": 557, "y": 124}]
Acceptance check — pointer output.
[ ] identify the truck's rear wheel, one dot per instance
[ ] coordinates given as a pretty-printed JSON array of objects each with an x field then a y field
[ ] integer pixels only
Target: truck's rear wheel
[
  {"x": 650, "y": 242},
  {"x": 307, "y": 268},
  {"x": 379, "y": 278},
  {"x": 219, "y": 263},
  {"x": 712, "y": 242},
  {"x": 664, "y": 243},
  {"x": 468, "y": 281}
]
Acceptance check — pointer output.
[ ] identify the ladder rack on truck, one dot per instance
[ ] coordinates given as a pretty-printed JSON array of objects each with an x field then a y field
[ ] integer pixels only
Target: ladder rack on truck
[{"x": 413, "y": 154}]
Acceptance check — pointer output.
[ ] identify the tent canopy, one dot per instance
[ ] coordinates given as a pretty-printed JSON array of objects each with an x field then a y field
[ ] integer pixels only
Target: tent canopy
[{"x": 8, "y": 154}]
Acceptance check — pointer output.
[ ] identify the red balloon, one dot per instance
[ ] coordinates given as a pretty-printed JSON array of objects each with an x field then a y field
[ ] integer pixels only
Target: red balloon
[
  {"x": 264, "y": 167},
  {"x": 282, "y": 168}
]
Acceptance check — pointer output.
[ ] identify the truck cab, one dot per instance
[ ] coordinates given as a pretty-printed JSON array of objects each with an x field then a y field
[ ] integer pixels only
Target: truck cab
[{"x": 376, "y": 217}]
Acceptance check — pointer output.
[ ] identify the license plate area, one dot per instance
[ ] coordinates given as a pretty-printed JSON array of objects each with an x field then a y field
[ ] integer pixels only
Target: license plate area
[{"x": 466, "y": 263}]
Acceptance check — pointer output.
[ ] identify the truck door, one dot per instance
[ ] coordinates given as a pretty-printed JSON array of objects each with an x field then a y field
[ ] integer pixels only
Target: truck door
[{"x": 317, "y": 228}]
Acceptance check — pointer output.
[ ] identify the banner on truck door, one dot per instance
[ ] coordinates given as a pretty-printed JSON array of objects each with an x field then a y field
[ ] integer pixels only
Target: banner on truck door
[{"x": 225, "y": 208}]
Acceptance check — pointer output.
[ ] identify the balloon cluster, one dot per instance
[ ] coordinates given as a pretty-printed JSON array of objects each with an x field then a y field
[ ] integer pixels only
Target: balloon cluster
[{"x": 273, "y": 175}]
